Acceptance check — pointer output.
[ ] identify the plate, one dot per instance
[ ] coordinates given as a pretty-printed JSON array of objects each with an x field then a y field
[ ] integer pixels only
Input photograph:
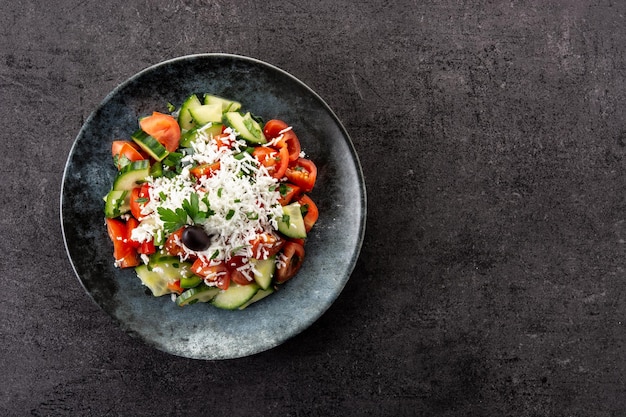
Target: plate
[{"x": 202, "y": 331}]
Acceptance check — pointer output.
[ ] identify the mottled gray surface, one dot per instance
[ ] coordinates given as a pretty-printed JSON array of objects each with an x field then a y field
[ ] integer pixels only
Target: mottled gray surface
[{"x": 493, "y": 143}]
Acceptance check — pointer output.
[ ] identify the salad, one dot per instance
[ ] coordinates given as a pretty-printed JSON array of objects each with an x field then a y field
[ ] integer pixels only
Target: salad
[{"x": 210, "y": 204}]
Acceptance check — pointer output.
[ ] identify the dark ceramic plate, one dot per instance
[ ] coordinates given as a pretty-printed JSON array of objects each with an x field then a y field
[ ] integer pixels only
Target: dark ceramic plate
[{"x": 202, "y": 331}]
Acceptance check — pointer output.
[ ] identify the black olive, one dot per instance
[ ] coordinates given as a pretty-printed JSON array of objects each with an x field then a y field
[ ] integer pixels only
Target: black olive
[{"x": 196, "y": 238}]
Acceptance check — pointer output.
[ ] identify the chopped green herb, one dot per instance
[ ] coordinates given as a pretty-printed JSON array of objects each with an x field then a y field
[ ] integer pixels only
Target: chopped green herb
[
  {"x": 172, "y": 219},
  {"x": 230, "y": 214},
  {"x": 283, "y": 189}
]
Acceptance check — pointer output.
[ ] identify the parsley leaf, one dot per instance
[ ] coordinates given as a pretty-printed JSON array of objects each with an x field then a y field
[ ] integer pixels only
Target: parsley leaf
[
  {"x": 192, "y": 207},
  {"x": 172, "y": 219}
]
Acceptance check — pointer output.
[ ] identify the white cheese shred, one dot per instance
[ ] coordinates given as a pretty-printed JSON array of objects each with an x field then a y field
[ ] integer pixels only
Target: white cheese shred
[{"x": 241, "y": 193}]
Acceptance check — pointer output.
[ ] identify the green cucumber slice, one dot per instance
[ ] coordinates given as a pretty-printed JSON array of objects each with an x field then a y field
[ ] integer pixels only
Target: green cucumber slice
[
  {"x": 191, "y": 135},
  {"x": 227, "y": 105},
  {"x": 190, "y": 282},
  {"x": 292, "y": 222},
  {"x": 117, "y": 202},
  {"x": 206, "y": 113},
  {"x": 185, "y": 120},
  {"x": 132, "y": 175},
  {"x": 235, "y": 296},
  {"x": 150, "y": 145},
  {"x": 261, "y": 294},
  {"x": 162, "y": 270},
  {"x": 201, "y": 294},
  {"x": 247, "y": 128},
  {"x": 264, "y": 271}
]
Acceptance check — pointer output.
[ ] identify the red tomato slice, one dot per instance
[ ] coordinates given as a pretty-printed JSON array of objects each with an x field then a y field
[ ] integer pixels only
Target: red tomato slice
[
  {"x": 116, "y": 146},
  {"x": 239, "y": 278},
  {"x": 287, "y": 193},
  {"x": 303, "y": 173},
  {"x": 273, "y": 128},
  {"x": 217, "y": 273},
  {"x": 266, "y": 245},
  {"x": 223, "y": 140},
  {"x": 125, "y": 255},
  {"x": 135, "y": 203},
  {"x": 163, "y": 128},
  {"x": 205, "y": 170},
  {"x": 125, "y": 151},
  {"x": 175, "y": 287},
  {"x": 147, "y": 248},
  {"x": 293, "y": 254},
  {"x": 131, "y": 224},
  {"x": 275, "y": 160},
  {"x": 291, "y": 141},
  {"x": 312, "y": 213},
  {"x": 173, "y": 243}
]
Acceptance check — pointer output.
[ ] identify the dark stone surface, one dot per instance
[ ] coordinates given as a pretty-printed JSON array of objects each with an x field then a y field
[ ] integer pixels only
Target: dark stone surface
[{"x": 493, "y": 142}]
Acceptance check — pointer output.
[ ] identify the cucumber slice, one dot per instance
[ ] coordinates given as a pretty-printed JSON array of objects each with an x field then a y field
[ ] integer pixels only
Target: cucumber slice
[
  {"x": 247, "y": 128},
  {"x": 162, "y": 270},
  {"x": 185, "y": 120},
  {"x": 235, "y": 296},
  {"x": 117, "y": 202},
  {"x": 227, "y": 105},
  {"x": 190, "y": 282},
  {"x": 132, "y": 175},
  {"x": 156, "y": 170},
  {"x": 264, "y": 271},
  {"x": 191, "y": 135},
  {"x": 150, "y": 145},
  {"x": 206, "y": 113},
  {"x": 261, "y": 294},
  {"x": 201, "y": 294},
  {"x": 292, "y": 222}
]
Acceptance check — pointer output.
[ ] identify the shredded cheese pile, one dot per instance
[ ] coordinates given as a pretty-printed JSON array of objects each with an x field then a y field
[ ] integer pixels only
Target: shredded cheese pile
[{"x": 241, "y": 193}]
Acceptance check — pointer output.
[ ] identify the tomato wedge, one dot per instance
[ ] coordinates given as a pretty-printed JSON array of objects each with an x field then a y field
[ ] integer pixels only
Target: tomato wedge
[
  {"x": 163, "y": 128},
  {"x": 312, "y": 213},
  {"x": 124, "y": 152},
  {"x": 205, "y": 170},
  {"x": 293, "y": 254},
  {"x": 147, "y": 248},
  {"x": 239, "y": 278},
  {"x": 173, "y": 243},
  {"x": 131, "y": 224},
  {"x": 273, "y": 128},
  {"x": 216, "y": 273},
  {"x": 275, "y": 160},
  {"x": 223, "y": 140},
  {"x": 303, "y": 174},
  {"x": 287, "y": 193},
  {"x": 123, "y": 252},
  {"x": 266, "y": 245},
  {"x": 175, "y": 287}
]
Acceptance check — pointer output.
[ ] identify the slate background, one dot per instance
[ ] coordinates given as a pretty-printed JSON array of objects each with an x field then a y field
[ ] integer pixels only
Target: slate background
[{"x": 491, "y": 281}]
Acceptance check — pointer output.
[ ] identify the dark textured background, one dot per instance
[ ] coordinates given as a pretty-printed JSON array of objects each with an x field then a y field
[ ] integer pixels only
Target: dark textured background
[{"x": 491, "y": 281}]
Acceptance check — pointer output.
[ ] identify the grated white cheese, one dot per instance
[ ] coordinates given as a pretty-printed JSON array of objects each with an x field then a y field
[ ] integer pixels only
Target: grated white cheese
[{"x": 242, "y": 193}]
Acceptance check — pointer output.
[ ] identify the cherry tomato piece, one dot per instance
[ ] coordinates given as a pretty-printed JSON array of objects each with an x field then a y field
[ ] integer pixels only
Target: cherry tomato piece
[
  {"x": 303, "y": 174},
  {"x": 164, "y": 128},
  {"x": 293, "y": 256}
]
